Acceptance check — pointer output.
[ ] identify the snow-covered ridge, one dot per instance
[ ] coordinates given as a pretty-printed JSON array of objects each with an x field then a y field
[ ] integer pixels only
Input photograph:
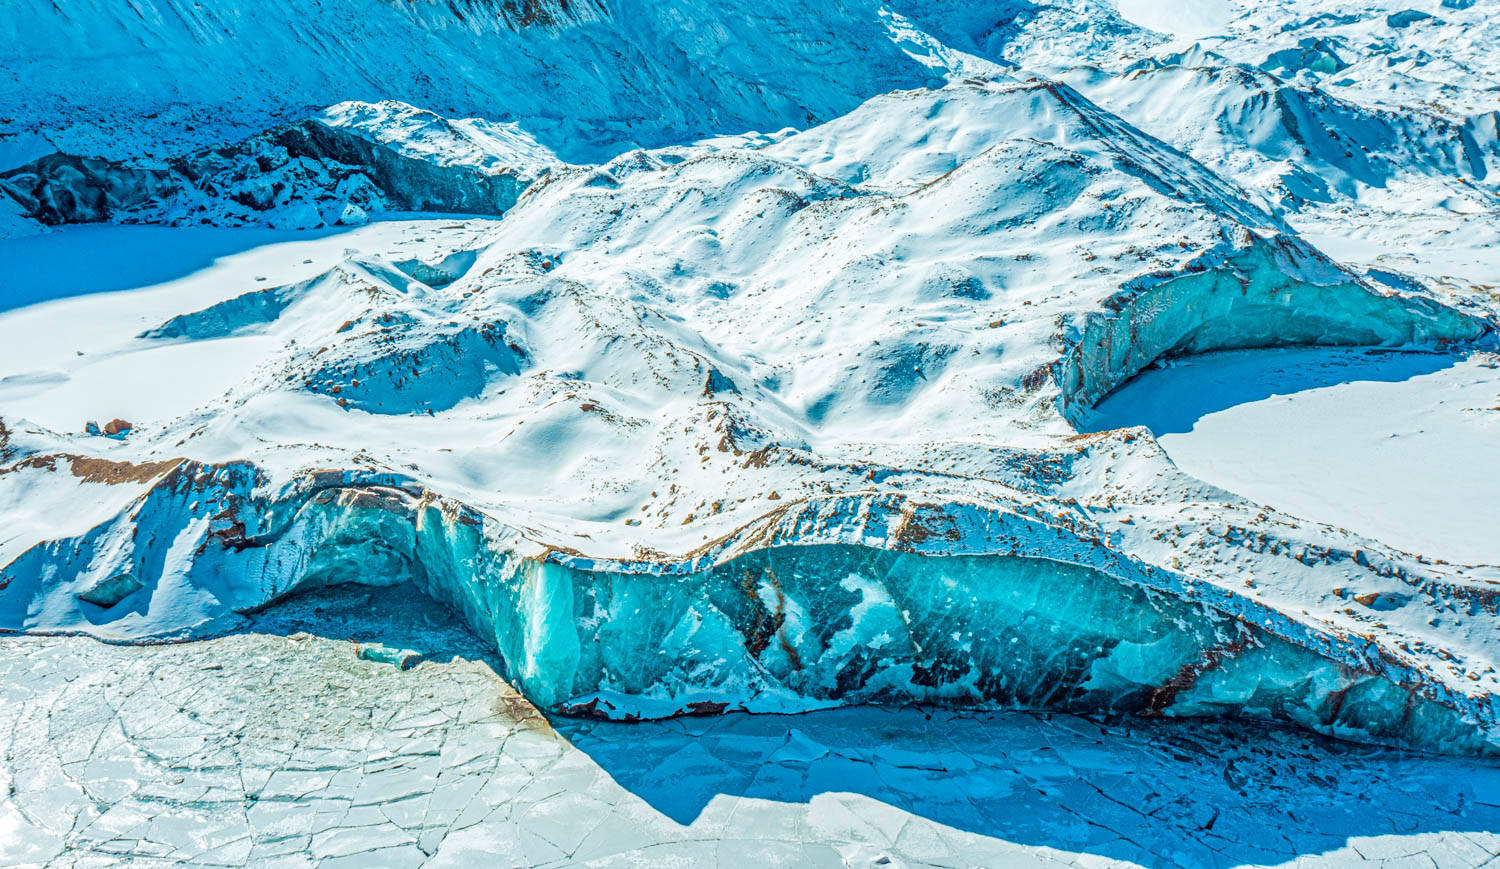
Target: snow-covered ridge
[
  {"x": 490, "y": 147},
  {"x": 1297, "y": 142}
]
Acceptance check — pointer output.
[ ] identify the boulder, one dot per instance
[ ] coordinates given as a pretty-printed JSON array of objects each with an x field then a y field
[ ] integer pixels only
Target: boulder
[{"x": 108, "y": 592}]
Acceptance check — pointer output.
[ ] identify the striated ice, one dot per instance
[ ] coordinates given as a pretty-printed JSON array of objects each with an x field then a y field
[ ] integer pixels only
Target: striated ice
[{"x": 108, "y": 592}]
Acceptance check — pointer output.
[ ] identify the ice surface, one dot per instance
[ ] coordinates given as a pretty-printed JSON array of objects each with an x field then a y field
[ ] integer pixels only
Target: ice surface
[
  {"x": 1392, "y": 445},
  {"x": 281, "y": 745},
  {"x": 774, "y": 629},
  {"x": 791, "y": 628},
  {"x": 110, "y": 591},
  {"x": 1251, "y": 305}
]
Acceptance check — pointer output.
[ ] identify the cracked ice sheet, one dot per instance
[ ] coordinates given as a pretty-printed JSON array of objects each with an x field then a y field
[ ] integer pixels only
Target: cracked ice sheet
[{"x": 281, "y": 746}]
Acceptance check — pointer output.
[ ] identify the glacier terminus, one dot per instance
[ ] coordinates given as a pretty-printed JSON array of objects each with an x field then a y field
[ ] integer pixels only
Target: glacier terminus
[{"x": 869, "y": 433}]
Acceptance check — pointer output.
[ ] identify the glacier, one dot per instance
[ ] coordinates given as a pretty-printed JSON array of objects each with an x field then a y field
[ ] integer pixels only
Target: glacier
[
  {"x": 578, "y": 273},
  {"x": 339, "y": 167},
  {"x": 513, "y": 396},
  {"x": 769, "y": 627}
]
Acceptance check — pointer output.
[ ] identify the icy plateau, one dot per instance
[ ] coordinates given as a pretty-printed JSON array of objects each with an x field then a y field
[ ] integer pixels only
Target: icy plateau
[{"x": 987, "y": 360}]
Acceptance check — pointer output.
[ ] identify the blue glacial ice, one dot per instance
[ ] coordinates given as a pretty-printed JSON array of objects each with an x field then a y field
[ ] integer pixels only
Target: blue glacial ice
[
  {"x": 776, "y": 629},
  {"x": 798, "y": 627}
]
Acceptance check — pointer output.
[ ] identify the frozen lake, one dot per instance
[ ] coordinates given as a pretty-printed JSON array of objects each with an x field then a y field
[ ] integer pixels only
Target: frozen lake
[{"x": 1403, "y": 447}]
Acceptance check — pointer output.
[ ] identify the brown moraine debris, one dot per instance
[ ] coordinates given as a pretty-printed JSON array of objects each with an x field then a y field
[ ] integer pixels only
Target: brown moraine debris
[
  {"x": 1166, "y": 693},
  {"x": 92, "y": 470}
]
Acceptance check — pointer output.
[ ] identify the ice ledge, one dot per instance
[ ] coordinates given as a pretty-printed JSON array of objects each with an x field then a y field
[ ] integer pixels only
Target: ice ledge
[
  {"x": 1274, "y": 291},
  {"x": 818, "y": 602}
]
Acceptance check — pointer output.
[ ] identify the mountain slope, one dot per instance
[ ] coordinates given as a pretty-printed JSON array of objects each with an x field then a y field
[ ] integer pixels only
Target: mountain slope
[{"x": 102, "y": 79}]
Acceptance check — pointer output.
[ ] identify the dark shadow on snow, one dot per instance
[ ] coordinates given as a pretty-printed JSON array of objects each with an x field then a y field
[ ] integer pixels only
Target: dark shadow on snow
[
  {"x": 397, "y": 618},
  {"x": 1182, "y": 793},
  {"x": 103, "y": 258}
]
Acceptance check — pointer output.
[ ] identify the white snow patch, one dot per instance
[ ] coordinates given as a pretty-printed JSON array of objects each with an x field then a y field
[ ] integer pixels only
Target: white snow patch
[
  {"x": 1401, "y": 447},
  {"x": 1188, "y": 19}
]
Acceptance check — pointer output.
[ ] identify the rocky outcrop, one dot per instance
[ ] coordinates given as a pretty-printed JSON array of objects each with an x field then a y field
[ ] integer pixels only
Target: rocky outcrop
[{"x": 299, "y": 176}]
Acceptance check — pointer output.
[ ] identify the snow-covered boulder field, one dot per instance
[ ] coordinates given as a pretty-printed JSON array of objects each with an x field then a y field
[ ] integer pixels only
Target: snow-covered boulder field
[{"x": 760, "y": 356}]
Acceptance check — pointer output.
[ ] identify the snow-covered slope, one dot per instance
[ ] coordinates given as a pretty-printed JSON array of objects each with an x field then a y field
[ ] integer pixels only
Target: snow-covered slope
[
  {"x": 98, "y": 78},
  {"x": 1371, "y": 128},
  {"x": 769, "y": 420}
]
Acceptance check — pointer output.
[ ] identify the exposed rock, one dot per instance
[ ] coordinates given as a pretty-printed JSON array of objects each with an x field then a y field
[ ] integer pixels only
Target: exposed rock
[
  {"x": 401, "y": 659},
  {"x": 340, "y": 167}
]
